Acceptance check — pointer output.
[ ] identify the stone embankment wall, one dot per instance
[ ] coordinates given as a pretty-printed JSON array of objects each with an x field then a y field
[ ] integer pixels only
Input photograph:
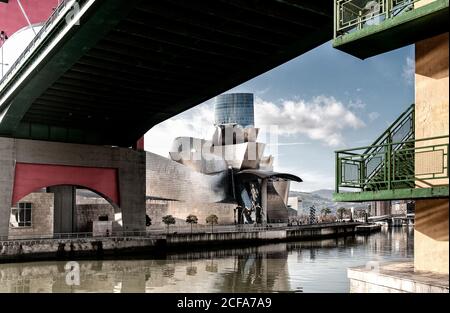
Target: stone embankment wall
[{"x": 96, "y": 247}]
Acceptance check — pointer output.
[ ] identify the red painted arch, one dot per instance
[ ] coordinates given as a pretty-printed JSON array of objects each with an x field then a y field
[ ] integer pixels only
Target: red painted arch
[{"x": 31, "y": 177}]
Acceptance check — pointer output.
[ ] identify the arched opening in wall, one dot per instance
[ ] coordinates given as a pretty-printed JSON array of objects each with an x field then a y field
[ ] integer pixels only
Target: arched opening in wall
[
  {"x": 96, "y": 213},
  {"x": 64, "y": 211}
]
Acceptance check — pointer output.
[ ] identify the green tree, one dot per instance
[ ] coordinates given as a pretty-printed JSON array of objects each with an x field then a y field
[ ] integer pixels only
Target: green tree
[
  {"x": 168, "y": 220},
  {"x": 359, "y": 213},
  {"x": 325, "y": 211},
  {"x": 191, "y": 219},
  {"x": 212, "y": 219},
  {"x": 340, "y": 212}
]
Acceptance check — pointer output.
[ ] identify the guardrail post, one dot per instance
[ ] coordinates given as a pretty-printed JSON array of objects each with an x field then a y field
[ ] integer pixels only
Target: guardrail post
[
  {"x": 335, "y": 10},
  {"x": 338, "y": 174},
  {"x": 362, "y": 173},
  {"x": 448, "y": 161},
  {"x": 387, "y": 8},
  {"x": 388, "y": 162}
]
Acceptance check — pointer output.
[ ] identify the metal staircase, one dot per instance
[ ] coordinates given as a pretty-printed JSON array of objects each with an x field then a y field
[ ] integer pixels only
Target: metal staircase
[
  {"x": 395, "y": 166},
  {"x": 401, "y": 135}
]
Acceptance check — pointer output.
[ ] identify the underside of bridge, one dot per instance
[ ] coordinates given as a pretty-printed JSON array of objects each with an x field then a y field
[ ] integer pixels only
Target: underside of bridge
[{"x": 130, "y": 65}]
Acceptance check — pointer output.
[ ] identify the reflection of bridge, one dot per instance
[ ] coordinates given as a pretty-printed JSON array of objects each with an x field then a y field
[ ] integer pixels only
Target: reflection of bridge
[{"x": 394, "y": 219}]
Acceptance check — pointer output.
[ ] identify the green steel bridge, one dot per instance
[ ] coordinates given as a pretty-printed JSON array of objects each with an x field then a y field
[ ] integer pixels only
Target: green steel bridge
[{"x": 394, "y": 166}]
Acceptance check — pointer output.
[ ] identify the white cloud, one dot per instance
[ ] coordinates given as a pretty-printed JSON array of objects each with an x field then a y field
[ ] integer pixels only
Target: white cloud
[
  {"x": 288, "y": 143},
  {"x": 373, "y": 116},
  {"x": 323, "y": 118},
  {"x": 197, "y": 122},
  {"x": 358, "y": 104},
  {"x": 409, "y": 69}
]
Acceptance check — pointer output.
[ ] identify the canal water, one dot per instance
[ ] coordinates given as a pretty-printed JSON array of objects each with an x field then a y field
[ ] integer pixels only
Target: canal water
[{"x": 313, "y": 266}]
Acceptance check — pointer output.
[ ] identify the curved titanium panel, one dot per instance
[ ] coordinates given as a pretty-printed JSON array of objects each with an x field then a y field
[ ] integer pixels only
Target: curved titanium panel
[{"x": 255, "y": 174}]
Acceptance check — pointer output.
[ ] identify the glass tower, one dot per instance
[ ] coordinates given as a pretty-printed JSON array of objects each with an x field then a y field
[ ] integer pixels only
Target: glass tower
[{"x": 234, "y": 108}]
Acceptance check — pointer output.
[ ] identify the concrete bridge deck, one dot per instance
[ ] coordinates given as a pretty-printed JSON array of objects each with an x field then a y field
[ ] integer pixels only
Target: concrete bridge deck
[{"x": 105, "y": 72}]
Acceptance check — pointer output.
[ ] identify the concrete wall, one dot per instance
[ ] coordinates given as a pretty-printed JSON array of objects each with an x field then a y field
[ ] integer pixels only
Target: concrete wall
[
  {"x": 94, "y": 247},
  {"x": 395, "y": 277},
  {"x": 431, "y": 105},
  {"x": 130, "y": 165},
  {"x": 156, "y": 209},
  {"x": 86, "y": 214},
  {"x": 66, "y": 248},
  {"x": 303, "y": 233},
  {"x": 41, "y": 217},
  {"x": 431, "y": 246},
  {"x": 215, "y": 238}
]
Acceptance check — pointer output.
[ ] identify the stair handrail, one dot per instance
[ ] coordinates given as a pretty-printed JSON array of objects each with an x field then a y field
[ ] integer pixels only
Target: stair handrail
[
  {"x": 386, "y": 137},
  {"x": 407, "y": 112}
]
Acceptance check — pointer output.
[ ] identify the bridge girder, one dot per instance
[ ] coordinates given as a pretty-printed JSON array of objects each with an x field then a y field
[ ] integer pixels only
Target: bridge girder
[{"x": 130, "y": 65}]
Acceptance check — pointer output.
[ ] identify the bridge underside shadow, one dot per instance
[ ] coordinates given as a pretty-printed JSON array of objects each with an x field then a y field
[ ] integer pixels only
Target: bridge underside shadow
[{"x": 129, "y": 65}]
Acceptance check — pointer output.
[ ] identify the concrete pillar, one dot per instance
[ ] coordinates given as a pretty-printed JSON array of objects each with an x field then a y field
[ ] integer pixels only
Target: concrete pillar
[
  {"x": 64, "y": 218},
  {"x": 7, "y": 163},
  {"x": 432, "y": 101},
  {"x": 132, "y": 187},
  {"x": 431, "y": 246},
  {"x": 264, "y": 201}
]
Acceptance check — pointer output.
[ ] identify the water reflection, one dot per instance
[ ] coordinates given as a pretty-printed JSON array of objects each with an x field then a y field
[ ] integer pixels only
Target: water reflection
[{"x": 313, "y": 266}]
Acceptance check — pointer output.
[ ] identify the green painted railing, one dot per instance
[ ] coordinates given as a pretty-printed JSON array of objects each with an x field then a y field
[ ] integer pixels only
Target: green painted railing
[
  {"x": 353, "y": 15},
  {"x": 401, "y": 130},
  {"x": 400, "y": 165}
]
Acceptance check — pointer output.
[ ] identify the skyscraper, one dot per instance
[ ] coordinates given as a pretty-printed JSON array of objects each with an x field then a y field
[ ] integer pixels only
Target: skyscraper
[{"x": 234, "y": 108}]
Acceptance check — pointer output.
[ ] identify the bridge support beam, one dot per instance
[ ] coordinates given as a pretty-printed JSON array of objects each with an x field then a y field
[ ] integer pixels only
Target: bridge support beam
[
  {"x": 64, "y": 213},
  {"x": 118, "y": 174},
  {"x": 431, "y": 234},
  {"x": 7, "y": 163}
]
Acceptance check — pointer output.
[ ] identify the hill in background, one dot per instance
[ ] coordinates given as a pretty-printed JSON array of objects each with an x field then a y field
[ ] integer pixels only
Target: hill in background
[{"x": 323, "y": 198}]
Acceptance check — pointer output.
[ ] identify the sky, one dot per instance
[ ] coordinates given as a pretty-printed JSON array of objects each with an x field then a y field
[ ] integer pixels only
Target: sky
[{"x": 319, "y": 102}]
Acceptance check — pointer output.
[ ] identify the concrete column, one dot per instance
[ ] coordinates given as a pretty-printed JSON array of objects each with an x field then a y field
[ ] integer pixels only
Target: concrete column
[
  {"x": 132, "y": 188},
  {"x": 264, "y": 201},
  {"x": 431, "y": 249},
  {"x": 7, "y": 165},
  {"x": 64, "y": 209},
  {"x": 431, "y": 246}
]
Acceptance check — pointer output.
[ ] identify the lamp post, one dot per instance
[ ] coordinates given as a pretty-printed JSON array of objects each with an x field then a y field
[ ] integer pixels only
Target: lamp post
[{"x": 3, "y": 38}]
